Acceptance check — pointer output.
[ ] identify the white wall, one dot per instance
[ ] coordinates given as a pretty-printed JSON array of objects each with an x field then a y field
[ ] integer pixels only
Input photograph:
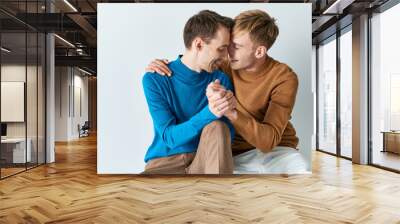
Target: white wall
[
  {"x": 68, "y": 82},
  {"x": 80, "y": 83},
  {"x": 131, "y": 35},
  {"x": 15, "y": 73},
  {"x": 61, "y": 103}
]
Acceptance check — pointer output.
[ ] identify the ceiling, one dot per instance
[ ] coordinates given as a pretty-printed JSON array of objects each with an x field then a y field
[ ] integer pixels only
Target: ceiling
[{"x": 76, "y": 22}]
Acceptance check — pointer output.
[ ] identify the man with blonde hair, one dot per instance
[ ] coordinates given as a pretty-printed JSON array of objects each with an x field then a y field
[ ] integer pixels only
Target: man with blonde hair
[{"x": 265, "y": 94}]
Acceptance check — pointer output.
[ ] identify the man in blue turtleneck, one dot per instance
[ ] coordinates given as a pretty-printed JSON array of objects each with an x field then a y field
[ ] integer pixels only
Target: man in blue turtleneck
[{"x": 191, "y": 135}]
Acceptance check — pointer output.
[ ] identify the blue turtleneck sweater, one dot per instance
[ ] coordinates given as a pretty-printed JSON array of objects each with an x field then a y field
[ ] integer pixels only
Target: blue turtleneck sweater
[{"x": 178, "y": 106}]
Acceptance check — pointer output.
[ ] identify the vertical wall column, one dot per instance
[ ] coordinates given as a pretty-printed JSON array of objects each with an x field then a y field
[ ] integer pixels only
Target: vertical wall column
[
  {"x": 92, "y": 99},
  {"x": 360, "y": 90},
  {"x": 50, "y": 92},
  {"x": 50, "y": 100}
]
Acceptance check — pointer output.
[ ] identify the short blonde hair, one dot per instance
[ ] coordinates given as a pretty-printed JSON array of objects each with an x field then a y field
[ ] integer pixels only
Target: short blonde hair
[{"x": 261, "y": 27}]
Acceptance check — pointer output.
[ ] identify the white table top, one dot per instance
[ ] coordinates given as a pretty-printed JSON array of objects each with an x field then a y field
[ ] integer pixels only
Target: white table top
[{"x": 13, "y": 140}]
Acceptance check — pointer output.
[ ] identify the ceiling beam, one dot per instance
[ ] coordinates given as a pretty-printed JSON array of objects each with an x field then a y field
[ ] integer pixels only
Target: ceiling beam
[
  {"x": 86, "y": 26},
  {"x": 85, "y": 61}
]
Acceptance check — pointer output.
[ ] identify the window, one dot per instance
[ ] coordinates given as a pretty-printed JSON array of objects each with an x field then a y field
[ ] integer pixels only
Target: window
[
  {"x": 327, "y": 96},
  {"x": 346, "y": 94},
  {"x": 385, "y": 89}
]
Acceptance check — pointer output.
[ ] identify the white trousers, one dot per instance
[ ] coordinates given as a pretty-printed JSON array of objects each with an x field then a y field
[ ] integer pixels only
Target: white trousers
[{"x": 281, "y": 160}]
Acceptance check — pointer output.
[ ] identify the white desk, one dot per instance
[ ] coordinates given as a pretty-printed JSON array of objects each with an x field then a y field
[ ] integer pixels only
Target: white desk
[{"x": 18, "y": 149}]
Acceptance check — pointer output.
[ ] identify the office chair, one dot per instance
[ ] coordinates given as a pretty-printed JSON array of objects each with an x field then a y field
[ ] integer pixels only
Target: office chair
[{"x": 84, "y": 130}]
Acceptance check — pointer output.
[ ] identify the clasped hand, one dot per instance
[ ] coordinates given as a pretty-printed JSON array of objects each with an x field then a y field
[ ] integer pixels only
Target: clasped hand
[{"x": 221, "y": 101}]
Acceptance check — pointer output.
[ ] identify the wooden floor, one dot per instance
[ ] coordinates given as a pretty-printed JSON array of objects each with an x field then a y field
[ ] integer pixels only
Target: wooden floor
[
  {"x": 70, "y": 191},
  {"x": 5, "y": 172}
]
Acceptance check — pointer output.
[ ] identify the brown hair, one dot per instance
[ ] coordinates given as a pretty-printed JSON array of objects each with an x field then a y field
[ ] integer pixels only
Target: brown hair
[
  {"x": 204, "y": 25},
  {"x": 261, "y": 27}
]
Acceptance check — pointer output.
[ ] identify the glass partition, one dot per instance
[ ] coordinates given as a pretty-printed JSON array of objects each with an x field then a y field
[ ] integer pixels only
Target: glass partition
[
  {"x": 14, "y": 153},
  {"x": 22, "y": 77},
  {"x": 385, "y": 89},
  {"x": 327, "y": 96}
]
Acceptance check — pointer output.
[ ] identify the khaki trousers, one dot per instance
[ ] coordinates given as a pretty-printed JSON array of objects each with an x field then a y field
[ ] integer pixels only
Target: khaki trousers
[{"x": 213, "y": 155}]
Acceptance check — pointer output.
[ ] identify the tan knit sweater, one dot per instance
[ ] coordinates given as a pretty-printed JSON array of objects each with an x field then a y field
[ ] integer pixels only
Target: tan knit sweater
[{"x": 265, "y": 103}]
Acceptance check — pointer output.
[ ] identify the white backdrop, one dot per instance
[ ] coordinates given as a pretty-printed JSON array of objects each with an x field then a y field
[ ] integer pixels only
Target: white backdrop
[{"x": 131, "y": 35}]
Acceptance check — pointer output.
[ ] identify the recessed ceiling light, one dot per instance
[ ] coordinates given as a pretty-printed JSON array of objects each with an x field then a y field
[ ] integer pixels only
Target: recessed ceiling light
[
  {"x": 70, "y": 5},
  {"x": 64, "y": 40},
  {"x": 84, "y": 71},
  {"x": 337, "y": 7},
  {"x": 5, "y": 50}
]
